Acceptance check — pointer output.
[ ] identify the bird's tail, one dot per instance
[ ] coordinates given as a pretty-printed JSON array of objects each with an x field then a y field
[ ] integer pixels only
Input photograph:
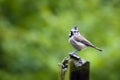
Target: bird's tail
[{"x": 97, "y": 48}]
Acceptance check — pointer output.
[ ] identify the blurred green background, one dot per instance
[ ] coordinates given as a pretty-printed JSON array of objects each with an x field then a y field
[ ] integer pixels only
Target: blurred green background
[{"x": 34, "y": 37}]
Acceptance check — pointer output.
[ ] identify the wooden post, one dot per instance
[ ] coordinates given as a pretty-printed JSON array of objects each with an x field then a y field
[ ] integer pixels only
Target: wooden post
[{"x": 74, "y": 68}]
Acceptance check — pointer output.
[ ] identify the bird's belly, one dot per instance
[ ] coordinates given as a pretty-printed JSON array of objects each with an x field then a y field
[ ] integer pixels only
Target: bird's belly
[
  {"x": 81, "y": 45},
  {"x": 77, "y": 45}
]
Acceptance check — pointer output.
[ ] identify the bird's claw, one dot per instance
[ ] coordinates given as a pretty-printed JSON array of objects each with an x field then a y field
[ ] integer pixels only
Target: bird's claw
[{"x": 74, "y": 56}]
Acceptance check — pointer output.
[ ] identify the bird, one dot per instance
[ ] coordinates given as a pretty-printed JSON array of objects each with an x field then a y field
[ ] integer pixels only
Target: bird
[{"x": 78, "y": 41}]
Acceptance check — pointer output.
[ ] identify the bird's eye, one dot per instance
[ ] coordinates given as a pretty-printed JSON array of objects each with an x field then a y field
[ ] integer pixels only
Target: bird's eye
[{"x": 75, "y": 31}]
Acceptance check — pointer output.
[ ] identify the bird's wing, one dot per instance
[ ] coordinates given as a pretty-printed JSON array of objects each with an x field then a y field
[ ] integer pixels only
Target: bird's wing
[{"x": 83, "y": 40}]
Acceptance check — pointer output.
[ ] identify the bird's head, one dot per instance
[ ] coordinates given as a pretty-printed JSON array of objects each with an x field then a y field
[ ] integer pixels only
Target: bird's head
[{"x": 74, "y": 31}]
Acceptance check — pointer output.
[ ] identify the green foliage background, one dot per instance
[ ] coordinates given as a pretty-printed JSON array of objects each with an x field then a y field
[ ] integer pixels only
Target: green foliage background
[{"x": 34, "y": 37}]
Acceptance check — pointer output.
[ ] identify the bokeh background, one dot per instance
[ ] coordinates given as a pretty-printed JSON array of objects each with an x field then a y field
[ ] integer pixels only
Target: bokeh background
[{"x": 34, "y": 37}]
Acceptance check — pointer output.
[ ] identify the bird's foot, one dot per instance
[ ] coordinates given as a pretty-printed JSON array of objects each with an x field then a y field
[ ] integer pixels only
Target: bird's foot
[{"x": 73, "y": 55}]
